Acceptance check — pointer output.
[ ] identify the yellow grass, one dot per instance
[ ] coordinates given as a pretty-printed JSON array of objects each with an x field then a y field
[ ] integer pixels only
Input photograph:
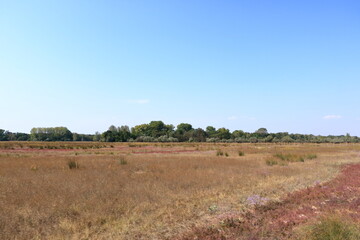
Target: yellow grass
[{"x": 145, "y": 191}]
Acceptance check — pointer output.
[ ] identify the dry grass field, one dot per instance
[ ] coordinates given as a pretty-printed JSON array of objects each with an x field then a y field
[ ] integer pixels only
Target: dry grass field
[{"x": 149, "y": 191}]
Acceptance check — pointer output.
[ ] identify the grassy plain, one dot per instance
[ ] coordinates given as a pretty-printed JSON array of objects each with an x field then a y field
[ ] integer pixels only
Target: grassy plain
[{"x": 148, "y": 191}]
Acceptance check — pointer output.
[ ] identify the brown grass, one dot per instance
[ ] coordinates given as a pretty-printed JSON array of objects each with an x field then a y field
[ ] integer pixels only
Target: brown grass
[{"x": 142, "y": 190}]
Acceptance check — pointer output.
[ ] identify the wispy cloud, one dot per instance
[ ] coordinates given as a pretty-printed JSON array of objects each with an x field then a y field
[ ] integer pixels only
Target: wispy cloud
[
  {"x": 329, "y": 117},
  {"x": 139, "y": 101}
]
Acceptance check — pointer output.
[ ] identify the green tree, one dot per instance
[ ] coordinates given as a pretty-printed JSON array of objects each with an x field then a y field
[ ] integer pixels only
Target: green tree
[
  {"x": 3, "y": 135},
  {"x": 184, "y": 127},
  {"x": 51, "y": 134},
  {"x": 223, "y": 133},
  {"x": 198, "y": 135},
  {"x": 238, "y": 134},
  {"x": 211, "y": 131},
  {"x": 262, "y": 131},
  {"x": 97, "y": 136},
  {"x": 183, "y": 132}
]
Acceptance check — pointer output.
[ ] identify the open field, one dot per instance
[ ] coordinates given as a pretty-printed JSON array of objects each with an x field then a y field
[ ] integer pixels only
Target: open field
[{"x": 149, "y": 191}]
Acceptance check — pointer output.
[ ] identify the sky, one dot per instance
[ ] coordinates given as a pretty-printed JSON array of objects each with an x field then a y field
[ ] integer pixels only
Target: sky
[{"x": 288, "y": 66}]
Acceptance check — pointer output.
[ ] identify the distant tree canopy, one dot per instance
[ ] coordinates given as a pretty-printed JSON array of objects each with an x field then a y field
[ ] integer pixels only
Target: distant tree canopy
[
  {"x": 116, "y": 134},
  {"x": 51, "y": 134},
  {"x": 157, "y": 131},
  {"x": 9, "y": 136}
]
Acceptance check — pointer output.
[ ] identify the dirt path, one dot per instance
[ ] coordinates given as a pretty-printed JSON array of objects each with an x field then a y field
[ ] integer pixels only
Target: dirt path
[{"x": 276, "y": 220}]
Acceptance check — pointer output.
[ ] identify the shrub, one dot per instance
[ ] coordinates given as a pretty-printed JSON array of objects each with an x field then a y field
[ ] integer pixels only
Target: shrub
[
  {"x": 73, "y": 164},
  {"x": 226, "y": 154},
  {"x": 241, "y": 153}
]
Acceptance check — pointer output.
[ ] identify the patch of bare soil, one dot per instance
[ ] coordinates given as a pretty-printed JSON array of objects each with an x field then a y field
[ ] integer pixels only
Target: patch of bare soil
[{"x": 277, "y": 220}]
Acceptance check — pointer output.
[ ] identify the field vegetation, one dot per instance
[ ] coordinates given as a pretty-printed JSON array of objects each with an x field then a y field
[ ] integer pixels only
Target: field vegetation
[{"x": 97, "y": 190}]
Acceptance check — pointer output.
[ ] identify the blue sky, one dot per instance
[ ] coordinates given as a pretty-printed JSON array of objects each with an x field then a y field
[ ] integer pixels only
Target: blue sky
[{"x": 289, "y": 66}]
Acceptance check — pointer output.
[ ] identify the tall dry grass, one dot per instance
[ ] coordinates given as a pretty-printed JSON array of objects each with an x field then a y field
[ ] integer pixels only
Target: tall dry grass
[{"x": 145, "y": 191}]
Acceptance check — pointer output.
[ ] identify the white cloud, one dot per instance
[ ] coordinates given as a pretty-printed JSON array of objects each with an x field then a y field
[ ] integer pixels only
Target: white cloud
[
  {"x": 328, "y": 117},
  {"x": 139, "y": 101}
]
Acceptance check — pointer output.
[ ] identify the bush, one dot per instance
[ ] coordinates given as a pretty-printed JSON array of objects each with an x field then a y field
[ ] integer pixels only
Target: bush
[
  {"x": 241, "y": 153},
  {"x": 219, "y": 153},
  {"x": 73, "y": 164},
  {"x": 226, "y": 154}
]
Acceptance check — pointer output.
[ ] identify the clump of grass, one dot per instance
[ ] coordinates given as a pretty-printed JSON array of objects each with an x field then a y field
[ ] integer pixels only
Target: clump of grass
[
  {"x": 73, "y": 164},
  {"x": 271, "y": 162},
  {"x": 34, "y": 168},
  {"x": 241, "y": 153},
  {"x": 289, "y": 157},
  {"x": 311, "y": 156},
  {"x": 219, "y": 153},
  {"x": 333, "y": 228},
  {"x": 122, "y": 160},
  {"x": 135, "y": 145},
  {"x": 213, "y": 208}
]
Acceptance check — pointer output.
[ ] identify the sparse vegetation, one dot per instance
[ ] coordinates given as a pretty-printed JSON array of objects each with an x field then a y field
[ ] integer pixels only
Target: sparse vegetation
[
  {"x": 271, "y": 162},
  {"x": 145, "y": 192},
  {"x": 289, "y": 157}
]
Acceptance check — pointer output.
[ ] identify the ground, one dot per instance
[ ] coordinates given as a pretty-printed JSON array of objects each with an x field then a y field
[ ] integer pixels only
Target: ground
[
  {"x": 280, "y": 219},
  {"x": 169, "y": 191}
]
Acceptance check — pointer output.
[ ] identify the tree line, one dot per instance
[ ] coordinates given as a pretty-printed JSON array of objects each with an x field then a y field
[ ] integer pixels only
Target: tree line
[{"x": 157, "y": 131}]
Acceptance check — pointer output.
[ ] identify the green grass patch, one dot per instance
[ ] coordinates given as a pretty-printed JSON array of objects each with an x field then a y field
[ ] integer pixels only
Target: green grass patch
[{"x": 332, "y": 227}]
